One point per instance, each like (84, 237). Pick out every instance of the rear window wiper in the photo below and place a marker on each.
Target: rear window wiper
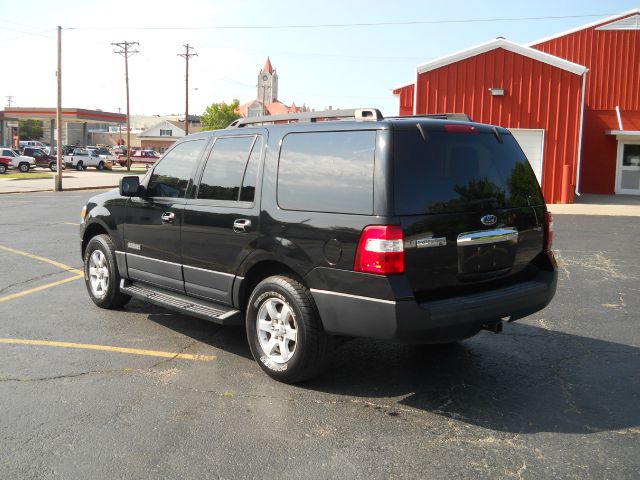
(423, 134)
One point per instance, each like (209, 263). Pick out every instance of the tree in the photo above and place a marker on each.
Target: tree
(219, 115)
(30, 129)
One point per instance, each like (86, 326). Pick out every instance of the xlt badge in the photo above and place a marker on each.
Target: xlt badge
(431, 242)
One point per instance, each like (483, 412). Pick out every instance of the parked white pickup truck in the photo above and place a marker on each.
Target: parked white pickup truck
(81, 158)
(20, 162)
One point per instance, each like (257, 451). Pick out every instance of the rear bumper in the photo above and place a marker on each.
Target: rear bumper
(408, 321)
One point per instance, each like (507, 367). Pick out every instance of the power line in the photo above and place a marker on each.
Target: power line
(187, 55)
(359, 24)
(126, 53)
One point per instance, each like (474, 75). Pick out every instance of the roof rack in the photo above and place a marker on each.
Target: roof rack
(462, 117)
(359, 114)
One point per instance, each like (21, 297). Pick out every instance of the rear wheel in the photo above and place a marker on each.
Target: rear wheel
(101, 273)
(3, 168)
(23, 167)
(79, 166)
(285, 331)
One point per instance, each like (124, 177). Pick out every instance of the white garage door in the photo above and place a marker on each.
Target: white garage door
(532, 143)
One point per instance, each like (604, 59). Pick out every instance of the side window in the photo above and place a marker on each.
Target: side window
(171, 176)
(327, 172)
(223, 174)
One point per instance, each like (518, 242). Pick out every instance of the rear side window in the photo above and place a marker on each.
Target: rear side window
(459, 172)
(327, 172)
(171, 176)
(231, 170)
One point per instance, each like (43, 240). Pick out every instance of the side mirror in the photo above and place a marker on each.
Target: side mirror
(130, 186)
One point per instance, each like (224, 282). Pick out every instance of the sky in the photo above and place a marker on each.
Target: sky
(318, 65)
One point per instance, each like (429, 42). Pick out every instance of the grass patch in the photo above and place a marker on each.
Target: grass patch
(25, 176)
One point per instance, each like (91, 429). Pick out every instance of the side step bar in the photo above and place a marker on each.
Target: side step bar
(214, 312)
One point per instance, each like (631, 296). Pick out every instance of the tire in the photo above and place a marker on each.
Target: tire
(299, 349)
(79, 166)
(100, 165)
(52, 166)
(3, 168)
(100, 262)
(23, 167)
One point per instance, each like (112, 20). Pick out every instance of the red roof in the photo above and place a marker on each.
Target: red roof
(267, 66)
(274, 108)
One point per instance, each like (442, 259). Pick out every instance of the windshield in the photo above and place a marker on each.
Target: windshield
(455, 172)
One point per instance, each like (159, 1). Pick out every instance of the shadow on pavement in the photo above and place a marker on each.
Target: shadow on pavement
(525, 380)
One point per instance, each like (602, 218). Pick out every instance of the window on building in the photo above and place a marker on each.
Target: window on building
(231, 160)
(166, 133)
(171, 175)
(327, 172)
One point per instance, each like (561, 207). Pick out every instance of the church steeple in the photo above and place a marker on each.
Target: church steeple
(267, 83)
(267, 66)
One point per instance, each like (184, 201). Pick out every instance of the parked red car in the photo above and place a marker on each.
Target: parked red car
(5, 163)
(148, 157)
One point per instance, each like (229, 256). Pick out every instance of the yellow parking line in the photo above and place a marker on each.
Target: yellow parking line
(64, 267)
(109, 348)
(71, 223)
(40, 288)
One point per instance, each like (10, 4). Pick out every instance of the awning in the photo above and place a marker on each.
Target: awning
(622, 134)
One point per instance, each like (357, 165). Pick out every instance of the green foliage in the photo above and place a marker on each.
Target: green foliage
(219, 115)
(30, 129)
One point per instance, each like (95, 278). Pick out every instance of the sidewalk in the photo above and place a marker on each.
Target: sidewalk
(591, 204)
(71, 180)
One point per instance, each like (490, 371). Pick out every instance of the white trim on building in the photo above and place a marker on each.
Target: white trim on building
(507, 45)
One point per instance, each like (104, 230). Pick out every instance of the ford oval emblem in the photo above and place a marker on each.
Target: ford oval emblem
(489, 220)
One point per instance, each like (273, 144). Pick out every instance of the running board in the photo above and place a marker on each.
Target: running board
(214, 312)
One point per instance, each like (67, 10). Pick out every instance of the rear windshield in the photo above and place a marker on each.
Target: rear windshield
(460, 172)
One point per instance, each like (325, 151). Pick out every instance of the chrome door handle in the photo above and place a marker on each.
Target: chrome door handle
(168, 217)
(241, 225)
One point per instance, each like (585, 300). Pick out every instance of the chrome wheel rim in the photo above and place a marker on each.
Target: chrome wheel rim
(98, 274)
(277, 330)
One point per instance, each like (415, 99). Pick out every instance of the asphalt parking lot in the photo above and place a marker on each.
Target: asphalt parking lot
(145, 393)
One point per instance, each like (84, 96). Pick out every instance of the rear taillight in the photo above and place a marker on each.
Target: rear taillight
(380, 250)
(455, 128)
(548, 231)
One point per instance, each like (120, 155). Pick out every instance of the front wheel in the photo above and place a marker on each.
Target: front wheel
(3, 168)
(285, 331)
(101, 273)
(100, 165)
(23, 167)
(52, 166)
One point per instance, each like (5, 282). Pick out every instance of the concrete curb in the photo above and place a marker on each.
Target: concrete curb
(72, 189)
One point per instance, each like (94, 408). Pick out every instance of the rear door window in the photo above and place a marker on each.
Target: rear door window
(327, 172)
(459, 172)
(231, 170)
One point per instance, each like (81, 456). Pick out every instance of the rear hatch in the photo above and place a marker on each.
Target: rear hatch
(470, 207)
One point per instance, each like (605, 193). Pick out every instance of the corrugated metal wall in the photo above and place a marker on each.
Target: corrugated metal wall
(613, 59)
(406, 99)
(537, 95)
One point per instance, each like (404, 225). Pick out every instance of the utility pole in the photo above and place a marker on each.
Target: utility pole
(126, 52)
(57, 178)
(9, 100)
(186, 55)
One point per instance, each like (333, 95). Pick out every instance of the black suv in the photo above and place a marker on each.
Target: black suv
(321, 226)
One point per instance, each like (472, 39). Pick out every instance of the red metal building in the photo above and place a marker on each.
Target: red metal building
(559, 98)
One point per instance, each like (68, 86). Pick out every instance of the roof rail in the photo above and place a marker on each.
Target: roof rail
(359, 114)
(462, 117)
